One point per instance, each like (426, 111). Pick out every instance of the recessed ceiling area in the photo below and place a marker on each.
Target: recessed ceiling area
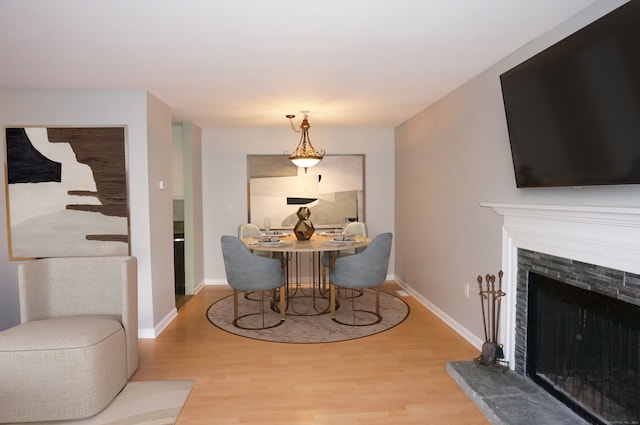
(247, 63)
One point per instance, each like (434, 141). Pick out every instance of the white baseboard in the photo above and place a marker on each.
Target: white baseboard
(199, 287)
(461, 330)
(157, 330)
(146, 334)
(216, 282)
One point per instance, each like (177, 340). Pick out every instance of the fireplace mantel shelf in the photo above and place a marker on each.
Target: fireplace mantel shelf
(607, 236)
(614, 216)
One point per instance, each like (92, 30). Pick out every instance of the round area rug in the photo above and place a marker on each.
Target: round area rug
(307, 319)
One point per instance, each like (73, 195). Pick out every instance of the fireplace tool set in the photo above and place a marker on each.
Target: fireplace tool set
(491, 299)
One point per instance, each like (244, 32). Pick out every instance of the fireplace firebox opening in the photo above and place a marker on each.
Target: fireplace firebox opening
(584, 348)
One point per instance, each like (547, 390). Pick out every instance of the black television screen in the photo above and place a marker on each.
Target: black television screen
(573, 110)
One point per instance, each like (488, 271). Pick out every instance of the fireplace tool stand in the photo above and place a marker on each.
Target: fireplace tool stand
(491, 300)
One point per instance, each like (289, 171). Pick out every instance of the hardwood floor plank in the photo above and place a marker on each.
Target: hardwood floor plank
(395, 377)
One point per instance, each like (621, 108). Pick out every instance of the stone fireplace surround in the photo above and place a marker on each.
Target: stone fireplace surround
(606, 237)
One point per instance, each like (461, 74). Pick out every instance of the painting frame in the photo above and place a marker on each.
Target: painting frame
(66, 191)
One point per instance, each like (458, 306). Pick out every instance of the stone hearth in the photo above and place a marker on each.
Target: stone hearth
(506, 398)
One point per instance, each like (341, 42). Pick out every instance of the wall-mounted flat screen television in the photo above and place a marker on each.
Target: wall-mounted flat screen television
(573, 110)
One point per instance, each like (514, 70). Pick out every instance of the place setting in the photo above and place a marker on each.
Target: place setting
(341, 239)
(271, 240)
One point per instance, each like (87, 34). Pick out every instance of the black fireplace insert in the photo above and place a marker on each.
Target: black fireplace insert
(584, 348)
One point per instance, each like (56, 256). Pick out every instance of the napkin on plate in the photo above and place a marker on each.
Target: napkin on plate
(344, 238)
(269, 239)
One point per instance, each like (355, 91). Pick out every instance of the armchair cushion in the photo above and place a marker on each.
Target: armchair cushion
(59, 333)
(61, 368)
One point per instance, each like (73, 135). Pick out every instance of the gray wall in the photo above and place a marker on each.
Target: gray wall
(451, 157)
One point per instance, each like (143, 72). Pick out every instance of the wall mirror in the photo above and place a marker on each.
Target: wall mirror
(333, 190)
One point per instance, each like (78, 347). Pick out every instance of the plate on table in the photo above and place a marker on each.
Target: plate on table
(345, 238)
(338, 243)
(266, 240)
(332, 233)
(341, 241)
(273, 233)
(269, 243)
(269, 239)
(274, 244)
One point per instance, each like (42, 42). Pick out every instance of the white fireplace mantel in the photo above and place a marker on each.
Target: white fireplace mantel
(605, 236)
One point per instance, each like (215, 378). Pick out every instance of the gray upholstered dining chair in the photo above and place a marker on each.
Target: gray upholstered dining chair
(367, 269)
(250, 230)
(247, 272)
(357, 228)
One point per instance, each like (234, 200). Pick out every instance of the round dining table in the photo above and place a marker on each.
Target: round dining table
(288, 247)
(319, 242)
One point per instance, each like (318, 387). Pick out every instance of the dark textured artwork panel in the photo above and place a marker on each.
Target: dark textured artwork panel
(25, 164)
(107, 165)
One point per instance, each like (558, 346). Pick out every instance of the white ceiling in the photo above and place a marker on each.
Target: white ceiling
(247, 63)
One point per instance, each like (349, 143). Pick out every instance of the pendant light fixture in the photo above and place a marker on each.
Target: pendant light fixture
(305, 155)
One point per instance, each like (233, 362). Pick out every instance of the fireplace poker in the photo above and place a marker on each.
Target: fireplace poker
(484, 316)
(492, 318)
(499, 296)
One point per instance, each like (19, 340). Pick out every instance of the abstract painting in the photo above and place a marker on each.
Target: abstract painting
(66, 191)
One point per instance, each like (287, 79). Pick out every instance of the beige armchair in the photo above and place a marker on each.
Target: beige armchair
(77, 344)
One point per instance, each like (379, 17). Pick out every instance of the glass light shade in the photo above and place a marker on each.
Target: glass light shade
(305, 162)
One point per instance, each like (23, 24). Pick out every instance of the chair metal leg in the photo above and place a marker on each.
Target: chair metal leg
(262, 307)
(235, 305)
(376, 313)
(324, 277)
(238, 317)
(283, 302)
(332, 296)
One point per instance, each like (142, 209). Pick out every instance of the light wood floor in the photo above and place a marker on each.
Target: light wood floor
(397, 377)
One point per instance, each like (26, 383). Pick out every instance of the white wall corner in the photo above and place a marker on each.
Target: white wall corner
(157, 330)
